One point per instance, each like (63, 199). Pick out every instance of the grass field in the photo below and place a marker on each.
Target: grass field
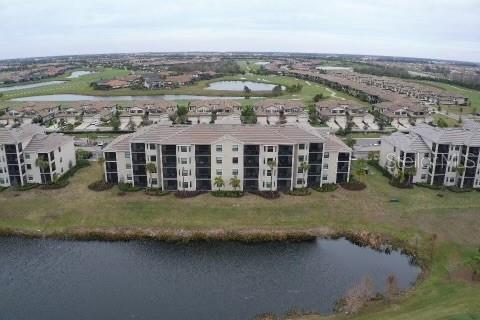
(451, 122)
(81, 85)
(454, 218)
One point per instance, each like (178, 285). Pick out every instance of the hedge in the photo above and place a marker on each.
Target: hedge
(100, 186)
(354, 186)
(328, 187)
(227, 194)
(299, 192)
(128, 187)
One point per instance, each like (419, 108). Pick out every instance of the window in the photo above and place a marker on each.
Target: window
(324, 178)
(268, 184)
(269, 148)
(127, 155)
(299, 181)
(61, 160)
(30, 178)
(325, 166)
(235, 160)
(185, 185)
(59, 149)
(219, 172)
(219, 148)
(183, 149)
(154, 181)
(152, 146)
(219, 160)
(269, 160)
(184, 172)
(2, 181)
(153, 158)
(300, 170)
(424, 176)
(235, 172)
(301, 158)
(27, 155)
(53, 166)
(129, 177)
(301, 146)
(326, 155)
(269, 173)
(128, 166)
(235, 148)
(183, 160)
(29, 166)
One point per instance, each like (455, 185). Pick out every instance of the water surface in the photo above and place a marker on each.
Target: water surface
(53, 279)
(31, 85)
(79, 97)
(79, 73)
(240, 85)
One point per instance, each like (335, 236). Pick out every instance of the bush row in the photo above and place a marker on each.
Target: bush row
(299, 192)
(128, 187)
(328, 187)
(26, 187)
(267, 194)
(100, 185)
(227, 194)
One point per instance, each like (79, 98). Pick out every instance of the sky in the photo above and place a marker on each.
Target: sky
(444, 29)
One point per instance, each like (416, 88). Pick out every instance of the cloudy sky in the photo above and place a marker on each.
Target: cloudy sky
(448, 29)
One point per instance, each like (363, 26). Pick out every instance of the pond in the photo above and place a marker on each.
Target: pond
(31, 85)
(77, 74)
(79, 97)
(240, 85)
(55, 279)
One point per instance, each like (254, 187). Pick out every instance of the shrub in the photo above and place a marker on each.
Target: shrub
(299, 192)
(267, 194)
(459, 190)
(328, 187)
(128, 187)
(83, 154)
(155, 192)
(26, 187)
(187, 194)
(429, 186)
(100, 186)
(56, 185)
(3, 188)
(227, 194)
(353, 186)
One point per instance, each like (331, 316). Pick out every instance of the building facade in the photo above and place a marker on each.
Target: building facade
(448, 157)
(261, 157)
(21, 147)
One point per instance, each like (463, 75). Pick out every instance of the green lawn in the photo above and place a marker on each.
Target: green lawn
(451, 122)
(81, 85)
(454, 218)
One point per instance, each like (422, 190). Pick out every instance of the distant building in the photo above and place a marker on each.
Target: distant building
(190, 157)
(437, 154)
(21, 147)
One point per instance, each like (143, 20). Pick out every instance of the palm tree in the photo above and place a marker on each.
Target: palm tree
(218, 182)
(460, 171)
(42, 164)
(305, 167)
(101, 162)
(151, 168)
(360, 171)
(271, 164)
(235, 182)
(410, 172)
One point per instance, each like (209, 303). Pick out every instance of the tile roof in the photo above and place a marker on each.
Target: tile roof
(47, 143)
(19, 134)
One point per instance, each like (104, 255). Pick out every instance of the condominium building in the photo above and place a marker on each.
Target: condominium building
(447, 157)
(21, 147)
(261, 157)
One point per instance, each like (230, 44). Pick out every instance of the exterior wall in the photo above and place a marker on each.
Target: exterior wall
(188, 167)
(4, 180)
(227, 166)
(300, 178)
(264, 179)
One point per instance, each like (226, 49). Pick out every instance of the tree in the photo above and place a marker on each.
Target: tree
(317, 97)
(271, 164)
(151, 169)
(350, 142)
(410, 172)
(248, 115)
(358, 296)
(305, 167)
(115, 123)
(218, 182)
(312, 114)
(373, 155)
(392, 286)
(235, 182)
(277, 90)
(247, 91)
(42, 164)
(101, 162)
(181, 115)
(442, 123)
(360, 170)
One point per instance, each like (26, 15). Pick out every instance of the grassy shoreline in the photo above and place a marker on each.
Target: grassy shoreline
(420, 214)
